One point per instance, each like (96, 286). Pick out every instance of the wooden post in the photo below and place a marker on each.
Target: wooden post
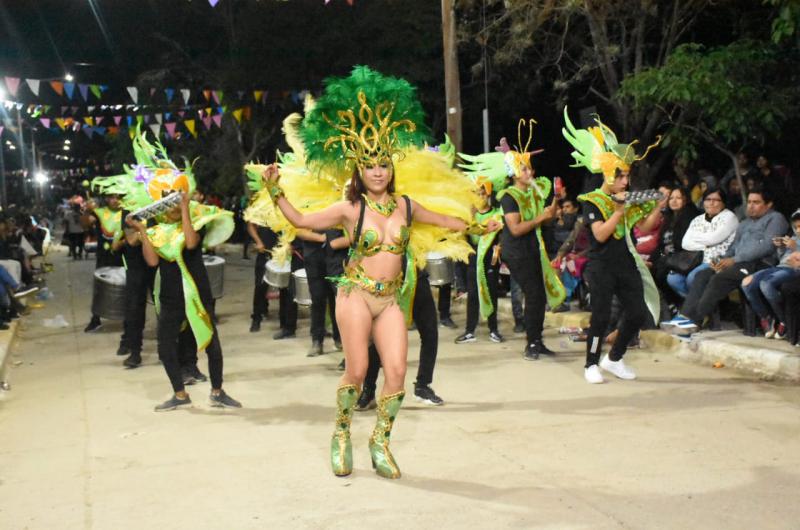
(452, 86)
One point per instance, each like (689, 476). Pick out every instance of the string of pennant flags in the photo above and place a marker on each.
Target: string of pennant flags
(192, 114)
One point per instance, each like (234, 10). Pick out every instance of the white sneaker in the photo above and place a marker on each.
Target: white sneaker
(593, 375)
(617, 368)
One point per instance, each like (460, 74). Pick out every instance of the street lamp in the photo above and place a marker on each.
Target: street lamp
(68, 78)
(40, 177)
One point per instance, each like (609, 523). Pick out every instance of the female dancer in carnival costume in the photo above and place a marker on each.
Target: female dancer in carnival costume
(524, 213)
(365, 127)
(174, 244)
(615, 268)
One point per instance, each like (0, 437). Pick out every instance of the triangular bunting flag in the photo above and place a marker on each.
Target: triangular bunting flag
(90, 109)
(47, 108)
(61, 122)
(117, 119)
(33, 84)
(64, 110)
(170, 92)
(103, 88)
(158, 117)
(247, 113)
(131, 132)
(130, 121)
(207, 94)
(89, 121)
(98, 119)
(167, 116)
(45, 122)
(240, 93)
(113, 130)
(208, 111)
(257, 94)
(217, 96)
(1, 130)
(181, 113)
(100, 130)
(146, 118)
(134, 92)
(84, 90)
(69, 88)
(152, 91)
(190, 125)
(156, 128)
(264, 97)
(186, 93)
(88, 131)
(217, 119)
(96, 90)
(207, 122)
(170, 129)
(58, 87)
(12, 83)
(237, 114)
(73, 110)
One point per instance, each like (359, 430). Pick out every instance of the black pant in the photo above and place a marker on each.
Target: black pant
(445, 291)
(710, 288)
(791, 299)
(260, 301)
(138, 279)
(76, 244)
(177, 346)
(425, 319)
(287, 312)
(606, 279)
(323, 295)
(473, 304)
(527, 272)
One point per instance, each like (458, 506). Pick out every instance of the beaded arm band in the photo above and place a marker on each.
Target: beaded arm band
(274, 189)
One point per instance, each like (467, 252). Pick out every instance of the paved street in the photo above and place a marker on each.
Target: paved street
(517, 445)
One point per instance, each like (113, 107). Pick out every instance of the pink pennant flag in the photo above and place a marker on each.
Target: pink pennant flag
(13, 84)
(170, 129)
(117, 119)
(181, 113)
(217, 119)
(207, 122)
(215, 94)
(1, 130)
(152, 91)
(46, 122)
(98, 120)
(33, 84)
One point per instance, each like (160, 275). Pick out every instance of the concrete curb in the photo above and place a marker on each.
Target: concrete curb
(6, 339)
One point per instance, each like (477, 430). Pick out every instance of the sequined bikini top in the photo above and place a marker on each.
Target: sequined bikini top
(368, 244)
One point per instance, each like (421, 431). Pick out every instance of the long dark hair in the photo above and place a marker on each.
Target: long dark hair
(356, 188)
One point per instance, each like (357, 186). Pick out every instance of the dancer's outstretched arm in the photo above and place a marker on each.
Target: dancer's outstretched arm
(423, 215)
(329, 217)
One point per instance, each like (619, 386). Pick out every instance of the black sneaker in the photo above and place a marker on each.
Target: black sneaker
(133, 360)
(94, 325)
(223, 400)
(316, 349)
(199, 376)
(447, 322)
(173, 403)
(494, 336)
(366, 400)
(519, 328)
(465, 338)
(283, 334)
(255, 326)
(340, 367)
(188, 378)
(425, 394)
(123, 350)
(535, 349)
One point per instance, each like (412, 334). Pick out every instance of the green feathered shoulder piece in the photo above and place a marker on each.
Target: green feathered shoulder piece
(489, 165)
(342, 95)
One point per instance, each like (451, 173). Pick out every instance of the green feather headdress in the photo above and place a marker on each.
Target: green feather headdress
(364, 116)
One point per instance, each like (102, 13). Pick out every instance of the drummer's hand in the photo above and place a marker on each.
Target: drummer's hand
(271, 173)
(134, 223)
(493, 225)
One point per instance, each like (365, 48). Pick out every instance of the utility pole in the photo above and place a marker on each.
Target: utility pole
(452, 84)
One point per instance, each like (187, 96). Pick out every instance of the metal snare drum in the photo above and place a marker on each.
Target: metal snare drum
(441, 270)
(278, 274)
(215, 266)
(302, 294)
(108, 294)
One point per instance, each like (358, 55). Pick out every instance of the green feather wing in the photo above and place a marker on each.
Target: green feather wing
(585, 144)
(491, 165)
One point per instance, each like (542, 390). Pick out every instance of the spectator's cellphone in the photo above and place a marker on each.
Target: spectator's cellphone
(558, 186)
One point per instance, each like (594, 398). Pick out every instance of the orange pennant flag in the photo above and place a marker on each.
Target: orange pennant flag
(58, 87)
(190, 125)
(207, 94)
(247, 113)
(238, 115)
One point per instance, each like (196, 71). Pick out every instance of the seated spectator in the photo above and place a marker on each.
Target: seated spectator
(676, 218)
(710, 233)
(762, 289)
(752, 250)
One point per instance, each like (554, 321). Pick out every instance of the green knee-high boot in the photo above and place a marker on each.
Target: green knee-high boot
(382, 459)
(341, 448)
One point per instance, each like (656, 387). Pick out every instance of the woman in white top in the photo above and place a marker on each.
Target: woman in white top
(711, 232)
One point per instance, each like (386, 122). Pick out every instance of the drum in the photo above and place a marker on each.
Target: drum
(302, 294)
(278, 274)
(215, 266)
(441, 270)
(108, 295)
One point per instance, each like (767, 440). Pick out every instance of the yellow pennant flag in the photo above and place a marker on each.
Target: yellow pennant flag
(61, 123)
(257, 94)
(190, 125)
(131, 132)
(89, 121)
(238, 115)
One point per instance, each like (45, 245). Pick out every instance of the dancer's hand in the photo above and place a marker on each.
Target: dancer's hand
(271, 174)
(492, 225)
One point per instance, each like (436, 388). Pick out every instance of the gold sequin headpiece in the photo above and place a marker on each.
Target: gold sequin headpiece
(376, 141)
